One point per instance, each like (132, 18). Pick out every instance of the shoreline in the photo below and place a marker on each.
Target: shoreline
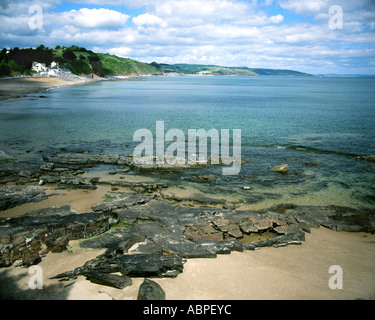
(13, 88)
(288, 273)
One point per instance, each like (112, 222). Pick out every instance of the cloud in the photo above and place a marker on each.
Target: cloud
(89, 18)
(148, 19)
(226, 32)
(304, 7)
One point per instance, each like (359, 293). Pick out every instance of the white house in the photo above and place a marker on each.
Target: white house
(52, 71)
(38, 67)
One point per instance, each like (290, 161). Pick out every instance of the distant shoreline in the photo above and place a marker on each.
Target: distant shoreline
(17, 87)
(12, 88)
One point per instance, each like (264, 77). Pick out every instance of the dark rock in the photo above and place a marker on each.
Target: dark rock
(227, 226)
(367, 158)
(150, 290)
(18, 172)
(87, 159)
(197, 199)
(149, 247)
(172, 240)
(49, 166)
(131, 265)
(311, 164)
(78, 183)
(149, 265)
(109, 240)
(12, 196)
(283, 168)
(122, 200)
(24, 173)
(333, 217)
(107, 279)
(201, 179)
(29, 236)
(50, 179)
(115, 159)
(203, 230)
(138, 187)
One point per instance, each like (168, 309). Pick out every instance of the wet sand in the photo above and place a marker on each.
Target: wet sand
(293, 272)
(80, 200)
(19, 87)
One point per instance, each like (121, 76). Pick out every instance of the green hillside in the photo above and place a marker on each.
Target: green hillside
(219, 70)
(114, 65)
(81, 61)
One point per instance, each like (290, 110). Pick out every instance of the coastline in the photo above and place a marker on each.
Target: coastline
(291, 272)
(287, 273)
(12, 88)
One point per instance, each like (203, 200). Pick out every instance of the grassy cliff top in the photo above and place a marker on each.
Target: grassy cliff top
(82, 61)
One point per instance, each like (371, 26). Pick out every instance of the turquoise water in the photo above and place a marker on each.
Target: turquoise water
(316, 125)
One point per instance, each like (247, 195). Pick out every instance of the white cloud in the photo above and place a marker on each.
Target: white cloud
(185, 11)
(226, 32)
(149, 20)
(90, 18)
(305, 6)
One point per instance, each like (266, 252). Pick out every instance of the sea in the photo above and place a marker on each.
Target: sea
(319, 126)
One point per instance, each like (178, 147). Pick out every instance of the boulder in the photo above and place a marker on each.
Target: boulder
(150, 290)
(283, 168)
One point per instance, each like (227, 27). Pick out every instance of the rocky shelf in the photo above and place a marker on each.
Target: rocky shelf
(148, 237)
(145, 233)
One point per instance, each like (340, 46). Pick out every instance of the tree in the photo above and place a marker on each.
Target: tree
(155, 65)
(41, 47)
(69, 55)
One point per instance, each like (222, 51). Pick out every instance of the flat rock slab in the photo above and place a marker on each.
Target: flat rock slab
(27, 237)
(17, 171)
(108, 279)
(87, 159)
(12, 196)
(333, 217)
(83, 159)
(130, 265)
(122, 201)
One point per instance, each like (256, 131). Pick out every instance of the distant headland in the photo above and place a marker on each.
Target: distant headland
(83, 62)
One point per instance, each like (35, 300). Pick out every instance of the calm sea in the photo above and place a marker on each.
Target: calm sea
(316, 125)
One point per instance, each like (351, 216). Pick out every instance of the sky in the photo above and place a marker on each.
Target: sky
(313, 36)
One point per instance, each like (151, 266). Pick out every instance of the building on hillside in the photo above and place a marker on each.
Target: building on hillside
(53, 71)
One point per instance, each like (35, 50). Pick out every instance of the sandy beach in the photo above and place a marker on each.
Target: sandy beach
(292, 273)
(19, 87)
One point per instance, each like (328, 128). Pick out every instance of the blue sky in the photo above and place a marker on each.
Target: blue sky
(285, 34)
